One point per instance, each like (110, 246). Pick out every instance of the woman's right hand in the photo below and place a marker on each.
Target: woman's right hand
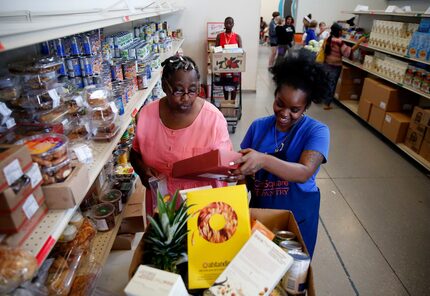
(145, 172)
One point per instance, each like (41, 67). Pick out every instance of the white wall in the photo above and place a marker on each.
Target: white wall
(416, 5)
(197, 13)
(267, 8)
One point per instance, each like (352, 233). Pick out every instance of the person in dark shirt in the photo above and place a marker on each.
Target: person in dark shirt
(290, 29)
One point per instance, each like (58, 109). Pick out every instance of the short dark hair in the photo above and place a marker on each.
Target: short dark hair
(175, 63)
(300, 71)
(275, 14)
(228, 18)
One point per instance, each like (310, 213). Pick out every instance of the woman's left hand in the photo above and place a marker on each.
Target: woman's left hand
(251, 162)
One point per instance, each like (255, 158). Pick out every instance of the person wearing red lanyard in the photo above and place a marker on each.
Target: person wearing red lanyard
(228, 37)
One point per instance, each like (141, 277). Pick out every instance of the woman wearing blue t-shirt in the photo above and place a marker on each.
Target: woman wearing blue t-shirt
(283, 152)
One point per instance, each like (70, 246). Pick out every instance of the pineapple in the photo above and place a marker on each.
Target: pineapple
(166, 239)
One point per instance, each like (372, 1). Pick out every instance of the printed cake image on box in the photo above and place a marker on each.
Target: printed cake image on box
(218, 228)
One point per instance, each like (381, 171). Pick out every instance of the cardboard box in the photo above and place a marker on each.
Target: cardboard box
(364, 107)
(376, 118)
(347, 91)
(425, 150)
(9, 200)
(228, 62)
(211, 165)
(14, 160)
(395, 126)
(419, 128)
(14, 221)
(421, 116)
(413, 140)
(123, 241)
(155, 282)
(272, 219)
(134, 212)
(427, 135)
(352, 75)
(383, 96)
(69, 193)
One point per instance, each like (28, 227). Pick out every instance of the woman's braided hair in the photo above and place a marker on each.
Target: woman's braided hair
(175, 63)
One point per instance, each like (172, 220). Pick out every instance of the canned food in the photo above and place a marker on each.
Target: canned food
(74, 46)
(59, 46)
(294, 281)
(129, 70)
(132, 53)
(62, 71)
(87, 45)
(97, 79)
(284, 235)
(73, 65)
(142, 81)
(289, 245)
(88, 80)
(45, 48)
(86, 64)
(116, 72)
(122, 156)
(79, 82)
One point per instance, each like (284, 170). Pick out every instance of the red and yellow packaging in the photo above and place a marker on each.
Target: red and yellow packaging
(218, 228)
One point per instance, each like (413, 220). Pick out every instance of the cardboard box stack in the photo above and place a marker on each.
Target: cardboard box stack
(22, 202)
(418, 136)
(350, 84)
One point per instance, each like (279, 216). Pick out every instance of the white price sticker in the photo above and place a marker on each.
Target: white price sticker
(34, 175)
(12, 172)
(84, 154)
(113, 107)
(10, 123)
(382, 105)
(30, 206)
(87, 127)
(102, 225)
(4, 110)
(388, 118)
(79, 101)
(55, 98)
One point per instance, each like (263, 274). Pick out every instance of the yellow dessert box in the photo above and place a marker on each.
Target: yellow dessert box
(218, 228)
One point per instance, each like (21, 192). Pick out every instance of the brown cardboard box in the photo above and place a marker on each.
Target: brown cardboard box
(347, 91)
(228, 62)
(17, 239)
(364, 108)
(413, 140)
(352, 75)
(14, 221)
(425, 150)
(376, 118)
(134, 213)
(67, 194)
(421, 116)
(14, 160)
(383, 96)
(419, 128)
(427, 135)
(211, 165)
(272, 219)
(9, 200)
(123, 241)
(395, 126)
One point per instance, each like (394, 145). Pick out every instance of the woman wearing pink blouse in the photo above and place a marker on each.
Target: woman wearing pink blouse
(178, 126)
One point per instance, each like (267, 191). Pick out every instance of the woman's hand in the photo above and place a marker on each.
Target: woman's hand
(145, 172)
(251, 162)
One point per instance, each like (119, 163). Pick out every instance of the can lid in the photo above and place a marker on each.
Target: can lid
(285, 235)
(103, 210)
(299, 255)
(290, 245)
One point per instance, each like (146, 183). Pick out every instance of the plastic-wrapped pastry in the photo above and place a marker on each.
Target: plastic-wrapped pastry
(69, 234)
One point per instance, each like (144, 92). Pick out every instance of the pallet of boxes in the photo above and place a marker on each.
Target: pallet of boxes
(213, 244)
(350, 84)
(418, 135)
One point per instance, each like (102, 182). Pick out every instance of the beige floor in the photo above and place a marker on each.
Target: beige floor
(374, 232)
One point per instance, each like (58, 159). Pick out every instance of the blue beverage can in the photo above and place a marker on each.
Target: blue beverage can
(119, 104)
(79, 82)
(148, 72)
(87, 80)
(86, 65)
(62, 70)
(74, 66)
(74, 46)
(59, 46)
(45, 48)
(87, 45)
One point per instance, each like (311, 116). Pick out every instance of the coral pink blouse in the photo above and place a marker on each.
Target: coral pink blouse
(161, 146)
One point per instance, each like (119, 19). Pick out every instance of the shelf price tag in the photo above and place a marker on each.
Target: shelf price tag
(30, 206)
(34, 175)
(126, 18)
(55, 98)
(134, 113)
(2, 48)
(13, 172)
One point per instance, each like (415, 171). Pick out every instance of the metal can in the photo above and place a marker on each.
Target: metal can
(59, 46)
(289, 245)
(79, 82)
(87, 80)
(142, 81)
(97, 79)
(284, 235)
(87, 45)
(75, 50)
(136, 32)
(148, 72)
(294, 281)
(62, 71)
(45, 48)
(116, 72)
(73, 65)
(71, 74)
(132, 53)
(86, 64)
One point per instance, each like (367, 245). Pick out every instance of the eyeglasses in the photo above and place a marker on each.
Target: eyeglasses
(180, 93)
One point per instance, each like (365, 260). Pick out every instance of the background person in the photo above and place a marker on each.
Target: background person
(176, 127)
(272, 39)
(323, 31)
(311, 32)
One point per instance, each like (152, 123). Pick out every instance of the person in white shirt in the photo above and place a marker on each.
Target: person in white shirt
(324, 32)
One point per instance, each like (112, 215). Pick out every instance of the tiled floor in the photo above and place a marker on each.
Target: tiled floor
(374, 232)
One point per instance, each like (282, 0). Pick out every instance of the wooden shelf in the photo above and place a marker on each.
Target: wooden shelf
(45, 235)
(418, 14)
(360, 66)
(374, 48)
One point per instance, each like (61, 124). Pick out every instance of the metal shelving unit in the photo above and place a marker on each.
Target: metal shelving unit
(45, 235)
(382, 12)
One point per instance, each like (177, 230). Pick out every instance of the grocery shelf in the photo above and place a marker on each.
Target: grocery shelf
(42, 28)
(360, 66)
(365, 45)
(418, 158)
(382, 12)
(352, 105)
(42, 239)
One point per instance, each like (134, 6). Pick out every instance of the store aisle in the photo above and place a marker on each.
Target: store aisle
(374, 232)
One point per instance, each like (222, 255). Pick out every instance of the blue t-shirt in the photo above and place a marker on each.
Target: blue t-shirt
(272, 32)
(310, 35)
(311, 135)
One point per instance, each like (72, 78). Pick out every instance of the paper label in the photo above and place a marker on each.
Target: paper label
(79, 101)
(55, 98)
(12, 171)
(84, 154)
(65, 122)
(388, 118)
(120, 206)
(113, 107)
(102, 225)
(4, 110)
(382, 105)
(34, 175)
(10, 122)
(30, 206)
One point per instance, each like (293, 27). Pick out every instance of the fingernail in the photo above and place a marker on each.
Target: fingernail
(231, 163)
